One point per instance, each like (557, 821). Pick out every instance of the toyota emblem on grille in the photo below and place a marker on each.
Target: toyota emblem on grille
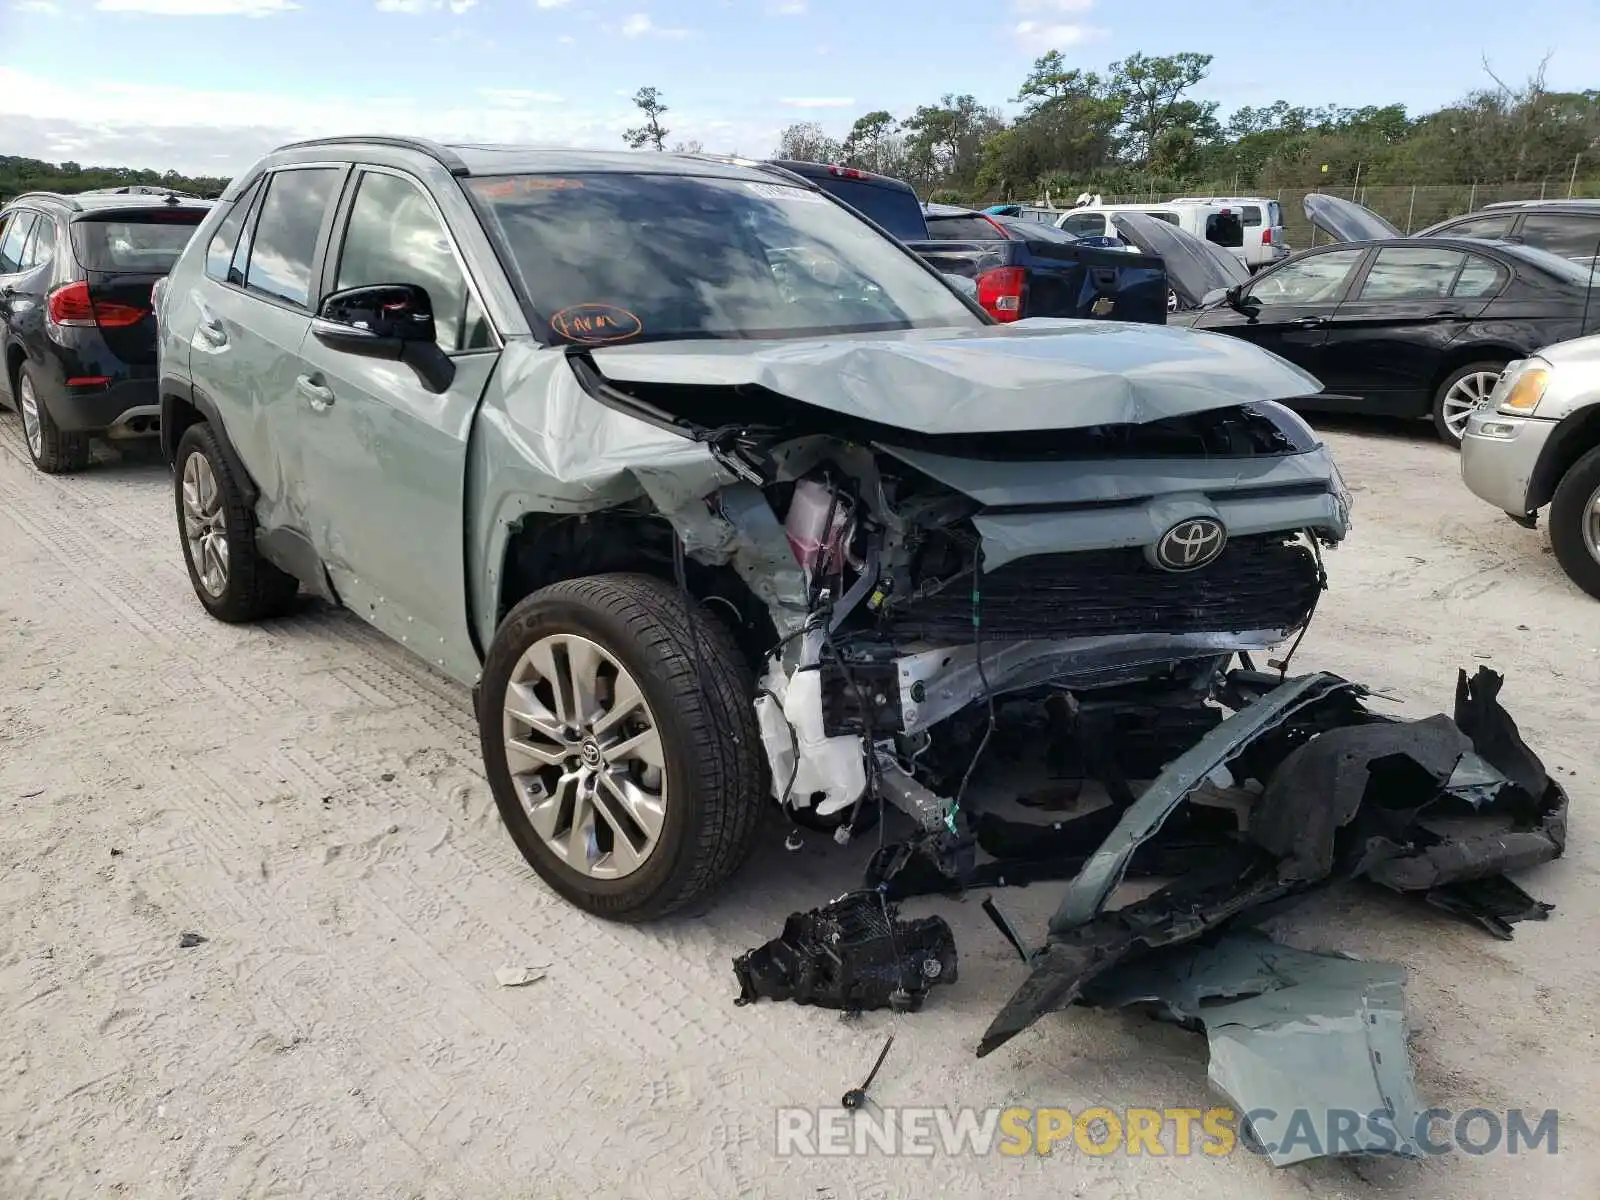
(1190, 544)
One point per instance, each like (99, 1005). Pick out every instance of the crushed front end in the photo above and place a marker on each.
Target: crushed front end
(937, 582)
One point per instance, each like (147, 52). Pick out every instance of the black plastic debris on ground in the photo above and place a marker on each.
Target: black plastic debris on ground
(852, 954)
(189, 941)
(1436, 808)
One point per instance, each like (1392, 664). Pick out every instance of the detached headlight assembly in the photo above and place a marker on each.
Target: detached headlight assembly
(1525, 392)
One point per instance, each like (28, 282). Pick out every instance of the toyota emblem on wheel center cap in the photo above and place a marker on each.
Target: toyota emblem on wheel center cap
(1190, 544)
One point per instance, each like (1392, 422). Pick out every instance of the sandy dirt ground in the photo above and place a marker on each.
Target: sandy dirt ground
(308, 798)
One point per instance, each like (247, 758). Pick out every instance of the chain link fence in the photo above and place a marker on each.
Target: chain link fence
(1409, 207)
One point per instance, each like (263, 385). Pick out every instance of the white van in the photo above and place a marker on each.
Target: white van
(1250, 229)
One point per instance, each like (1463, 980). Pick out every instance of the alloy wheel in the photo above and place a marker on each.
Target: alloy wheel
(584, 752)
(1463, 399)
(204, 525)
(32, 430)
(1591, 525)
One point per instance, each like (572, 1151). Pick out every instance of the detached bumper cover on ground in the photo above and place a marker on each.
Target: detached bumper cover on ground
(1323, 789)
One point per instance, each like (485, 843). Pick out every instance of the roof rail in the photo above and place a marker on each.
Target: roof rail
(58, 197)
(138, 189)
(443, 155)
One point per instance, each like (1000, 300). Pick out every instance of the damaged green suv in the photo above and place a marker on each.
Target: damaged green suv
(715, 493)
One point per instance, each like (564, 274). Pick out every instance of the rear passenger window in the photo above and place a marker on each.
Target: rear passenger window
(1485, 229)
(1225, 229)
(219, 252)
(41, 245)
(1411, 273)
(286, 234)
(1571, 235)
(12, 245)
(394, 236)
(1479, 279)
(1252, 214)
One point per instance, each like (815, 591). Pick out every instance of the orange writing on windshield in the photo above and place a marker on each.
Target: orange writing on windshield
(596, 323)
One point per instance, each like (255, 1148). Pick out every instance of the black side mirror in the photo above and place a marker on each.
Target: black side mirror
(1248, 305)
(386, 320)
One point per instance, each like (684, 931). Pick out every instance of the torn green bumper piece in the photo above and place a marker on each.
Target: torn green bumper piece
(1310, 1048)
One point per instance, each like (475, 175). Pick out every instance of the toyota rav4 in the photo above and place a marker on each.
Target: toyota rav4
(707, 487)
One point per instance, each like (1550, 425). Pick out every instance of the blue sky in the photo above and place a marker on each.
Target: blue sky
(210, 84)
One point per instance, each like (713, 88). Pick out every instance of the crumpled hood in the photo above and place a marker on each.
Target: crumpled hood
(1037, 374)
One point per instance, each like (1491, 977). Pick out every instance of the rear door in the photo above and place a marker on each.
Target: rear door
(382, 452)
(15, 233)
(1387, 343)
(1287, 309)
(245, 354)
(122, 255)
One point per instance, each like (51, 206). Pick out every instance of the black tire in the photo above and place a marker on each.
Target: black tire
(710, 740)
(1440, 425)
(58, 453)
(254, 588)
(1569, 511)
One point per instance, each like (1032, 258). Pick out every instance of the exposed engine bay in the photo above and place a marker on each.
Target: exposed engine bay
(915, 600)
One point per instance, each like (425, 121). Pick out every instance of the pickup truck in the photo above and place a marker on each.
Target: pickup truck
(1020, 267)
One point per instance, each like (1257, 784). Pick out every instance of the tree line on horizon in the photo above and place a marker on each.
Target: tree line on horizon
(1139, 127)
(18, 175)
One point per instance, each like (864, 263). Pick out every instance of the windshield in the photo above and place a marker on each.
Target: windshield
(610, 257)
(148, 243)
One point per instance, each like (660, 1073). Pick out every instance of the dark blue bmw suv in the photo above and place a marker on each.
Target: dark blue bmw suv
(77, 329)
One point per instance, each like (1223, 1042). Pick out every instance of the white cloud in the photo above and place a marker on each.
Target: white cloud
(788, 8)
(1039, 35)
(199, 8)
(518, 97)
(551, 3)
(167, 127)
(566, 39)
(1043, 30)
(640, 25)
(818, 102)
(43, 7)
(413, 8)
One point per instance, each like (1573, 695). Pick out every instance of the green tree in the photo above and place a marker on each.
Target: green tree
(652, 133)
(808, 142)
(945, 141)
(1152, 91)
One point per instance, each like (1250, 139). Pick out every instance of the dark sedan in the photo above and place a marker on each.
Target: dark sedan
(1408, 327)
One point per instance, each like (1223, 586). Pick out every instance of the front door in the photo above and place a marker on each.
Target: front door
(385, 456)
(1387, 342)
(1287, 310)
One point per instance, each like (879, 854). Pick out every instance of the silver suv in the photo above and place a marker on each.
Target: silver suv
(708, 488)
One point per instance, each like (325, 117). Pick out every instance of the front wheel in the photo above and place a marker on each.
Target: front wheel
(620, 742)
(1459, 396)
(1575, 523)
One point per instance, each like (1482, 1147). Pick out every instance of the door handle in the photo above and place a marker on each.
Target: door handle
(319, 395)
(1310, 322)
(212, 330)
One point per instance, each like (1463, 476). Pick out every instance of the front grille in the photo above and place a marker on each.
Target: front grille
(1267, 582)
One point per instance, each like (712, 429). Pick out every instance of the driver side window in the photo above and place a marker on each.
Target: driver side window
(394, 236)
(1316, 279)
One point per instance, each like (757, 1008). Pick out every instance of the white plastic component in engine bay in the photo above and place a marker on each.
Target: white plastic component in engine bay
(832, 770)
